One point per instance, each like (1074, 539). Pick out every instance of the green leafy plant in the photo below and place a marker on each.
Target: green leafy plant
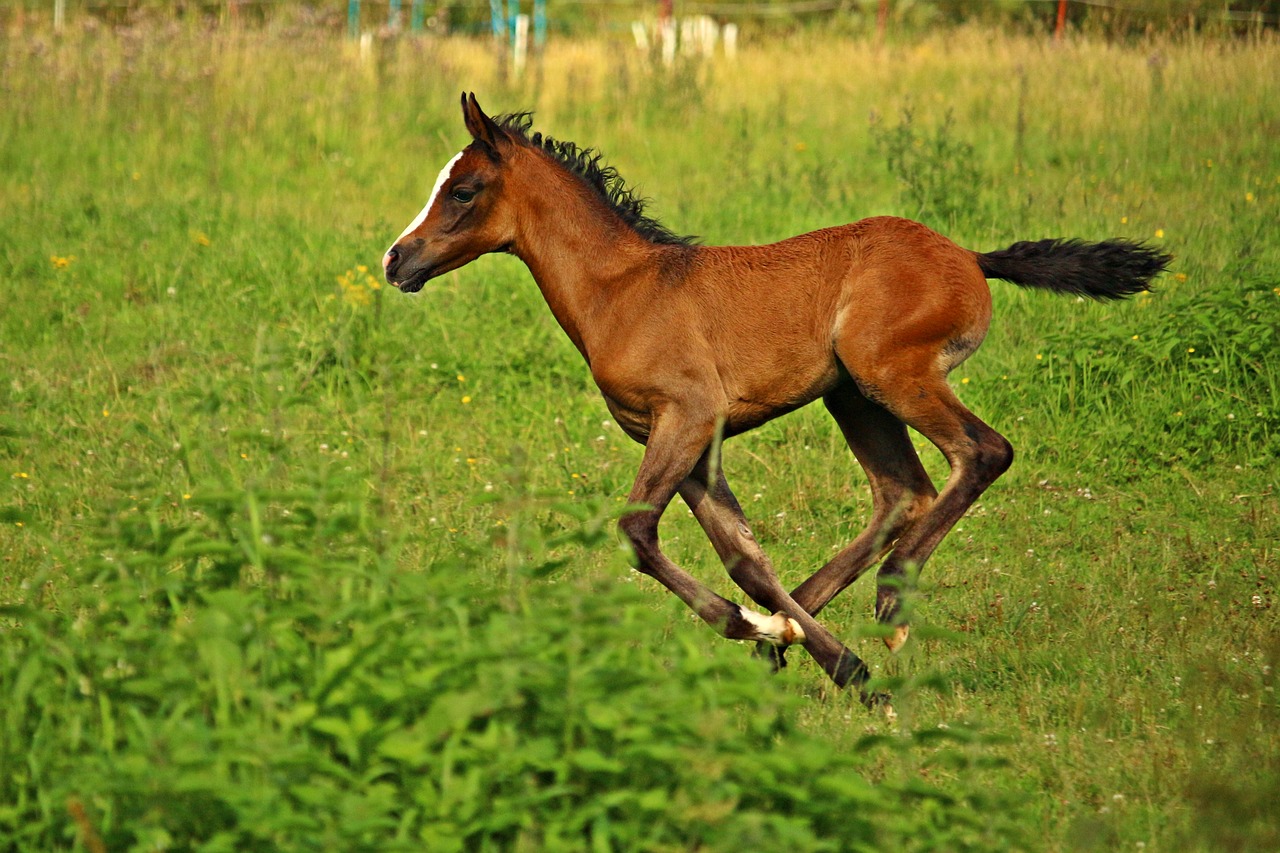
(936, 171)
(1209, 349)
(256, 672)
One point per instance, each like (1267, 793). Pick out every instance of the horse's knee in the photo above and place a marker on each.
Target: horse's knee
(641, 530)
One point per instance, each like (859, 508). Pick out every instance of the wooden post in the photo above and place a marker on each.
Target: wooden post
(520, 46)
(882, 20)
(1061, 25)
(667, 31)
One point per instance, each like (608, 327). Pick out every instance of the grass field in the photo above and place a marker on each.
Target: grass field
(294, 562)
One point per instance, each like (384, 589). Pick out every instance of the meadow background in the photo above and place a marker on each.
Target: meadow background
(291, 561)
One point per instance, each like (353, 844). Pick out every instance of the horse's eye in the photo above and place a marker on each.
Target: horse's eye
(463, 196)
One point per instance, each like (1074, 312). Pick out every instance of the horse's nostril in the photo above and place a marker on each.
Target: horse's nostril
(390, 258)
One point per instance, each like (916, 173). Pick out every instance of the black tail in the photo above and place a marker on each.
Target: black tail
(1112, 269)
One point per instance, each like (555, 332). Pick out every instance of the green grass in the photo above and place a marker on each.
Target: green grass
(290, 561)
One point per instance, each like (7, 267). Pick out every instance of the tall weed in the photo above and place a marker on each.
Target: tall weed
(936, 171)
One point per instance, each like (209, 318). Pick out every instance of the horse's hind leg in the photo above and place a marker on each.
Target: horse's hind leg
(914, 389)
(901, 492)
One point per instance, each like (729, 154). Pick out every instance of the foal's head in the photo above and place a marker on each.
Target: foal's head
(505, 175)
(466, 215)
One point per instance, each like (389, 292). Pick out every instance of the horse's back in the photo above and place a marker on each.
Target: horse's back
(877, 270)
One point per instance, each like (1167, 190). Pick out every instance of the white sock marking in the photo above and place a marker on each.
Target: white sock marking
(435, 191)
(778, 629)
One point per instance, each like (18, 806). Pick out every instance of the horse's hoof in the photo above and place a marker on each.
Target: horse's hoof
(881, 702)
(898, 638)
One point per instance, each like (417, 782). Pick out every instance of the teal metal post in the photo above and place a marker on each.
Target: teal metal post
(353, 18)
(497, 19)
(539, 22)
(513, 11)
(416, 15)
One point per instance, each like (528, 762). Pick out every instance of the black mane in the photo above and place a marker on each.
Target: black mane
(605, 180)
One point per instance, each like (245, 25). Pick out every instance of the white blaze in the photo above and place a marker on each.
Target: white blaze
(435, 191)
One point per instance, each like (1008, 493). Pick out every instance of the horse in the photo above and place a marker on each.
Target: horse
(692, 344)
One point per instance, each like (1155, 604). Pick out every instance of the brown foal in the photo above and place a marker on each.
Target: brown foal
(692, 343)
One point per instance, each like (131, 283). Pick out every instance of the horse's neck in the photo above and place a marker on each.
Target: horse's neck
(580, 255)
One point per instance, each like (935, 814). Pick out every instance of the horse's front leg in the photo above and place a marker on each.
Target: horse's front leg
(707, 493)
(674, 447)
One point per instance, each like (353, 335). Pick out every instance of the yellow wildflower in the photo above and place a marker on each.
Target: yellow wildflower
(358, 292)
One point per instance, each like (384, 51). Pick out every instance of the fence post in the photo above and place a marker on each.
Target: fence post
(497, 19)
(520, 47)
(353, 18)
(1061, 23)
(539, 23)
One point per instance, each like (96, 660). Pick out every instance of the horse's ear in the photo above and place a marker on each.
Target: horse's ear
(483, 129)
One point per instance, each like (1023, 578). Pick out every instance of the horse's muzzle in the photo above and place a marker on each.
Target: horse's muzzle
(393, 267)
